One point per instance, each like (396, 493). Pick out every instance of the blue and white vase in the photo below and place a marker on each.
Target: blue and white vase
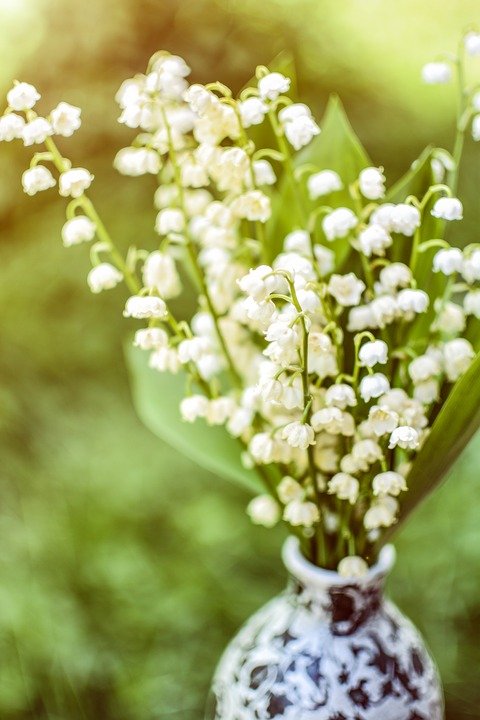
(328, 648)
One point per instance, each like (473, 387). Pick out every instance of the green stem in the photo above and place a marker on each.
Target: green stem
(192, 253)
(366, 266)
(414, 251)
(289, 170)
(416, 246)
(216, 318)
(130, 279)
(457, 156)
(307, 413)
(89, 209)
(367, 271)
(249, 148)
(462, 101)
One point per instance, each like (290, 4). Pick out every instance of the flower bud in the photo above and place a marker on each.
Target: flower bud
(436, 73)
(298, 435)
(103, 277)
(22, 96)
(170, 220)
(36, 179)
(77, 230)
(472, 43)
(339, 223)
(145, 306)
(371, 182)
(448, 208)
(448, 261)
(388, 483)
(264, 510)
(252, 111)
(272, 85)
(323, 183)
(373, 353)
(344, 486)
(299, 513)
(150, 338)
(36, 131)
(74, 182)
(352, 566)
(65, 119)
(372, 386)
(11, 127)
(137, 161)
(404, 437)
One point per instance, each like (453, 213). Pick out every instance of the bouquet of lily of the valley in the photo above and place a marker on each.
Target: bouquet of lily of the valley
(330, 360)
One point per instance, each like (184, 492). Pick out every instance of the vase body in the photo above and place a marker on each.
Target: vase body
(327, 648)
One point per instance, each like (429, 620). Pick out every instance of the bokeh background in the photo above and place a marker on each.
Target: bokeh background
(124, 568)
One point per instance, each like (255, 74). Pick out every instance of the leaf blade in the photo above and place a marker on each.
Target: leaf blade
(415, 181)
(454, 426)
(336, 148)
(156, 398)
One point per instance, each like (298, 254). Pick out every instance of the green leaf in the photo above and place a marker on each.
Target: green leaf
(472, 332)
(336, 148)
(417, 181)
(157, 396)
(454, 426)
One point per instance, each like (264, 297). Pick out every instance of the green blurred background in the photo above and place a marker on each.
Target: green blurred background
(124, 569)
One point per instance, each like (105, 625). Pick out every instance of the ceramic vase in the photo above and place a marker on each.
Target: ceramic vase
(328, 648)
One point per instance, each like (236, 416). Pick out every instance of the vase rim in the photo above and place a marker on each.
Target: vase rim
(310, 574)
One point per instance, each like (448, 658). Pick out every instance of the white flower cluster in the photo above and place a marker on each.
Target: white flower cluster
(328, 373)
(20, 121)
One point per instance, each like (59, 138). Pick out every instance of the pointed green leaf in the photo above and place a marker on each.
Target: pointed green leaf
(472, 332)
(336, 148)
(157, 396)
(416, 181)
(452, 429)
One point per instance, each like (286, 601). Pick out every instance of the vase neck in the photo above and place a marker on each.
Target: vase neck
(345, 603)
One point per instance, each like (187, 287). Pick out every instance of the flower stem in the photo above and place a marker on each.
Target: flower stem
(287, 161)
(460, 124)
(249, 148)
(192, 254)
(307, 413)
(130, 279)
(87, 205)
(216, 318)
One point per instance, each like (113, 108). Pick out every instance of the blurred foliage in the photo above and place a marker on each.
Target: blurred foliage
(124, 569)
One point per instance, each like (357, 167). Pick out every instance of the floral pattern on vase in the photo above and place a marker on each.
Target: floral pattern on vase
(328, 648)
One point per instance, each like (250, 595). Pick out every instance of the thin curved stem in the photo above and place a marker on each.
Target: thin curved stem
(289, 169)
(307, 413)
(192, 253)
(88, 207)
(462, 101)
